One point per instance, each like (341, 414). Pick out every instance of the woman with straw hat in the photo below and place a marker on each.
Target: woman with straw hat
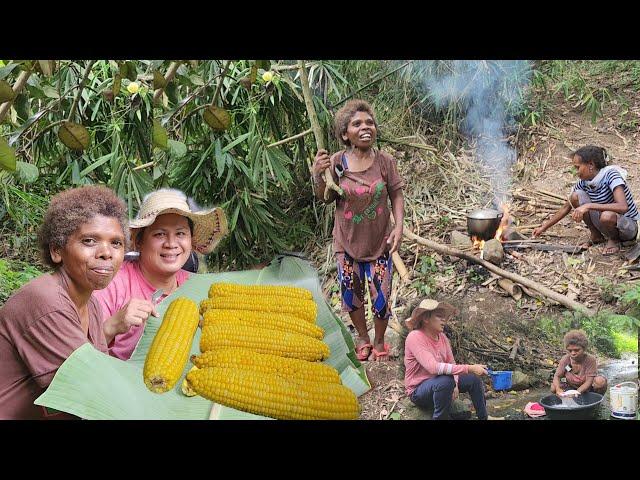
(432, 377)
(164, 233)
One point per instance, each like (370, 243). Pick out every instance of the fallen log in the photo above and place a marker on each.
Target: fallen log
(547, 292)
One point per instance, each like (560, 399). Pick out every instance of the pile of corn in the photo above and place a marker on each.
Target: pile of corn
(262, 352)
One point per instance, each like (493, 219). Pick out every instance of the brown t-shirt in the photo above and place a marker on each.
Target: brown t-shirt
(579, 371)
(39, 328)
(361, 226)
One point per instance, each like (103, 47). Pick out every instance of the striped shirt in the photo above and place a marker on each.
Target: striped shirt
(603, 192)
(425, 358)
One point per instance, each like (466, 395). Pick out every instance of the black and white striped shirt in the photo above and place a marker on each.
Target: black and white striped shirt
(603, 192)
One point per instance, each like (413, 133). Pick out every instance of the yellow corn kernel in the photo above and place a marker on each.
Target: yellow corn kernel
(272, 320)
(305, 309)
(170, 348)
(274, 396)
(186, 389)
(222, 289)
(290, 368)
(262, 340)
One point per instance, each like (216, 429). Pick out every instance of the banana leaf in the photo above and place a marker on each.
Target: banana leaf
(95, 386)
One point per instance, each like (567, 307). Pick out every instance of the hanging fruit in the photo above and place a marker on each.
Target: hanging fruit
(74, 136)
(217, 118)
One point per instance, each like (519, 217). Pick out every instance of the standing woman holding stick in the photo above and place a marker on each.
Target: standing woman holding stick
(363, 237)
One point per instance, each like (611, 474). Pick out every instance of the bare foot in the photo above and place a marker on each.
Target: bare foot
(612, 246)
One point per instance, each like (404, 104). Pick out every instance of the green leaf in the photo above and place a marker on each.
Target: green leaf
(132, 73)
(74, 136)
(238, 140)
(159, 135)
(21, 104)
(6, 70)
(26, 172)
(263, 64)
(100, 161)
(220, 159)
(395, 416)
(6, 92)
(7, 156)
(158, 80)
(50, 92)
(177, 149)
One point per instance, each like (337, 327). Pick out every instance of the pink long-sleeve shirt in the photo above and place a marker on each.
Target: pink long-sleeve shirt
(425, 358)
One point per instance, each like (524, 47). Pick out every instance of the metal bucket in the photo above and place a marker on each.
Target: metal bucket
(624, 400)
(483, 223)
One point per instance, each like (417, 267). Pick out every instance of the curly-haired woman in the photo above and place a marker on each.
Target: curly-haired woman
(578, 370)
(363, 237)
(82, 239)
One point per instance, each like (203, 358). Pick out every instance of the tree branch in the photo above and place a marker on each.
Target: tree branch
(17, 87)
(290, 139)
(219, 87)
(171, 72)
(76, 100)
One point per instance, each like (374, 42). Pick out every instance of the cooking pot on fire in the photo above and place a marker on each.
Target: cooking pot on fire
(483, 223)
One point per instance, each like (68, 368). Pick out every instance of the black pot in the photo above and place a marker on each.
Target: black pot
(483, 223)
(587, 409)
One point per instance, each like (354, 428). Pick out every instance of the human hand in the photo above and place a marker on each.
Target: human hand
(538, 231)
(135, 312)
(569, 393)
(321, 162)
(478, 369)
(456, 393)
(578, 213)
(395, 238)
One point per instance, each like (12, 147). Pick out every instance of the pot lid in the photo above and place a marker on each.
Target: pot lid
(485, 213)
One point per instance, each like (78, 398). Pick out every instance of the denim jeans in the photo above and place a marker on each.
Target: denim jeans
(436, 393)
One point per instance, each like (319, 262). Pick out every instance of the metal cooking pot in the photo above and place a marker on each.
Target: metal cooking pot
(483, 223)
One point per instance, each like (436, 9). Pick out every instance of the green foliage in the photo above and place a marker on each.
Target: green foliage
(426, 283)
(13, 275)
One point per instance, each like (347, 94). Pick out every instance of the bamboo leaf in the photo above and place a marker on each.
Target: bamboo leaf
(159, 135)
(99, 162)
(177, 149)
(26, 172)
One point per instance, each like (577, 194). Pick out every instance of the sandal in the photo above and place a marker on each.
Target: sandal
(360, 355)
(611, 249)
(376, 354)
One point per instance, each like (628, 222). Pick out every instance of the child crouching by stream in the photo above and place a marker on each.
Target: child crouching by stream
(578, 370)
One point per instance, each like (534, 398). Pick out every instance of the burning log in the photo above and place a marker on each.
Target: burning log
(547, 292)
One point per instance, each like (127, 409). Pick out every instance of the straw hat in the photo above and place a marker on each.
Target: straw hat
(430, 305)
(209, 226)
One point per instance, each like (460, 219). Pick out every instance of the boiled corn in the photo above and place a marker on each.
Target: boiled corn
(305, 309)
(273, 396)
(290, 368)
(272, 320)
(262, 340)
(170, 348)
(222, 289)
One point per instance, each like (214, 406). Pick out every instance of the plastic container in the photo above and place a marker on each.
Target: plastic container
(501, 379)
(624, 400)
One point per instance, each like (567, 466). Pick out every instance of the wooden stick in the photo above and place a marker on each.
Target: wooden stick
(20, 82)
(171, 72)
(547, 292)
(317, 130)
(290, 139)
(514, 350)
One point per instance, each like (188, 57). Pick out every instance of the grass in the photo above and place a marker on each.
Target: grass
(625, 342)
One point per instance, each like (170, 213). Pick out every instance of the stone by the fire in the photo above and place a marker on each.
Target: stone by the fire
(493, 251)
(460, 239)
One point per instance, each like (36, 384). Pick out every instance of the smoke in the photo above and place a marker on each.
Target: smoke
(488, 93)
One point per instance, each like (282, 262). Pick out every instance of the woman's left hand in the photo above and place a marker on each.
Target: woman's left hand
(579, 212)
(395, 237)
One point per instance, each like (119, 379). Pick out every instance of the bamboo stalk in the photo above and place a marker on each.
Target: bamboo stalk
(317, 130)
(76, 99)
(547, 292)
(290, 139)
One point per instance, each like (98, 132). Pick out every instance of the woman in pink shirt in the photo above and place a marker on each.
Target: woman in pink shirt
(164, 233)
(432, 377)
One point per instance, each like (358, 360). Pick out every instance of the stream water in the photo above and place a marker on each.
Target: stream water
(511, 406)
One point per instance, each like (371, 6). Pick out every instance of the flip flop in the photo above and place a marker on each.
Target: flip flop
(376, 354)
(617, 250)
(359, 353)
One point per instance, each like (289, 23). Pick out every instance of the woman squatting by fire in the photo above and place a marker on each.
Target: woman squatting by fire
(602, 199)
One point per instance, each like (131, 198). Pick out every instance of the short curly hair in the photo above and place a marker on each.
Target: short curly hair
(344, 115)
(71, 208)
(577, 338)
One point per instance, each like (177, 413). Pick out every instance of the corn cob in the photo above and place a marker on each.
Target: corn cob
(262, 340)
(305, 309)
(222, 289)
(271, 320)
(273, 396)
(170, 348)
(290, 368)
(186, 389)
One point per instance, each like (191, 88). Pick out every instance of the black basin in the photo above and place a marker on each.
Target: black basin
(587, 409)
